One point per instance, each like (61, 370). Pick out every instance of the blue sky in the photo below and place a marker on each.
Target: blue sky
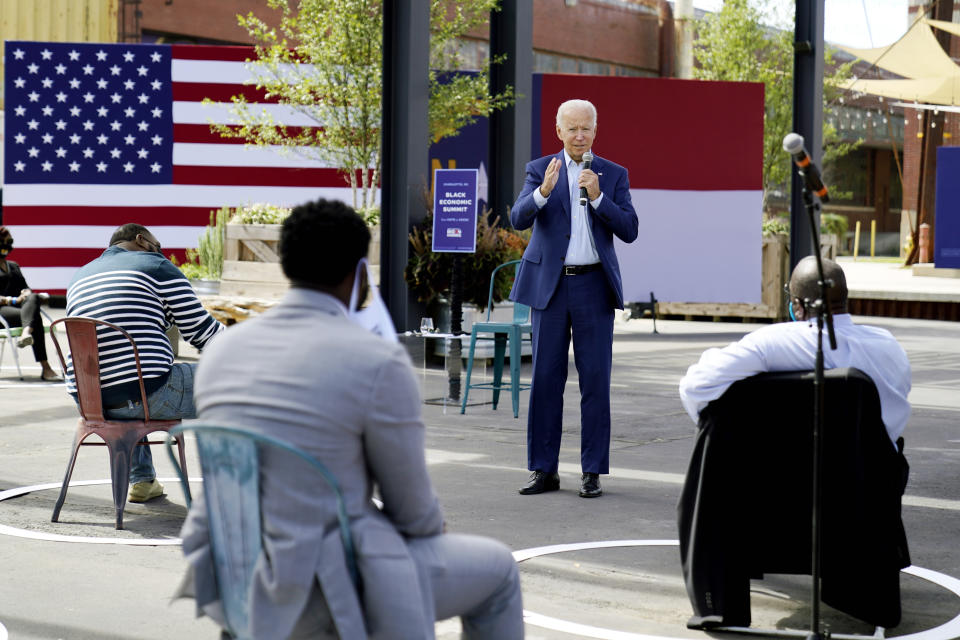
(855, 23)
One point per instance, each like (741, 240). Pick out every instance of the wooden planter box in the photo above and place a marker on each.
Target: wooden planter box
(251, 263)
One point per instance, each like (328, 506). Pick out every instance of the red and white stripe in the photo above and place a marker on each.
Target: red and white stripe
(58, 228)
(694, 151)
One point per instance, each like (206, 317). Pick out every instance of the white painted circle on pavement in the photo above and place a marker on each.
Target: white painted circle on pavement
(57, 537)
(946, 631)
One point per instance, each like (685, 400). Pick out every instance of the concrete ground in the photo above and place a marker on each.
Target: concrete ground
(96, 589)
(891, 280)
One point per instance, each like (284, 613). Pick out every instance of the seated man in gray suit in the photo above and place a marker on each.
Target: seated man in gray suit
(306, 373)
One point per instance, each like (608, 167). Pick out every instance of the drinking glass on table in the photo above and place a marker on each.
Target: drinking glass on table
(426, 325)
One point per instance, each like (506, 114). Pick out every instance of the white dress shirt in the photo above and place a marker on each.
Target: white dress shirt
(792, 346)
(581, 249)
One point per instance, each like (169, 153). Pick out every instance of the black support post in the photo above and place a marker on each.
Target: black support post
(406, 59)
(511, 33)
(807, 116)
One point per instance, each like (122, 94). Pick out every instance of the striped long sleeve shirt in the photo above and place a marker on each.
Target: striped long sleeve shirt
(143, 293)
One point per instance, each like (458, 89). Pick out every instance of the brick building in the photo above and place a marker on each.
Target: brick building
(925, 130)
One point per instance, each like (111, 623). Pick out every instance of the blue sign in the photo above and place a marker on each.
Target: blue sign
(946, 232)
(455, 210)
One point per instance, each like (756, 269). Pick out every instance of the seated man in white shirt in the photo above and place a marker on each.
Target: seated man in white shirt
(792, 346)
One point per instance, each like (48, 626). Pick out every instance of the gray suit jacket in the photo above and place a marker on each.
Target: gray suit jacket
(304, 373)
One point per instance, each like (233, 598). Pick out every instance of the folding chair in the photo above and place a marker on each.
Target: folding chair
(119, 436)
(502, 332)
(229, 458)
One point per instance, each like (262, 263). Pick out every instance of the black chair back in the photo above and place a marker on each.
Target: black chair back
(746, 504)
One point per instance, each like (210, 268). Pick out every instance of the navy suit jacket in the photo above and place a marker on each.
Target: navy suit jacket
(542, 263)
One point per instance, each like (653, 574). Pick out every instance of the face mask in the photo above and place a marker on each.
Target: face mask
(790, 308)
(374, 317)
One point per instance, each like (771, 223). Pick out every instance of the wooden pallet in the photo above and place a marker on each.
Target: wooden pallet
(251, 262)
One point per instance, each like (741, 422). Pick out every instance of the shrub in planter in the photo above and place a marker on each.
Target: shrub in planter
(428, 274)
(259, 213)
(206, 261)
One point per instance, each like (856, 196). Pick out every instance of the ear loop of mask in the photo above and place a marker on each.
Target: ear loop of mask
(355, 292)
(790, 308)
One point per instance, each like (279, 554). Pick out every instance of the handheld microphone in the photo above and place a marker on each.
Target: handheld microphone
(793, 144)
(587, 159)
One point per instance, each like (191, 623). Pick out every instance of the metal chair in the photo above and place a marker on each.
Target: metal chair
(119, 436)
(10, 334)
(229, 459)
(512, 331)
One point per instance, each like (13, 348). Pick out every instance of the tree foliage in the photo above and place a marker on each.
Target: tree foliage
(324, 62)
(734, 45)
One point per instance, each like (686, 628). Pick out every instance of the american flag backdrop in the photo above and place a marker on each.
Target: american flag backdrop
(97, 135)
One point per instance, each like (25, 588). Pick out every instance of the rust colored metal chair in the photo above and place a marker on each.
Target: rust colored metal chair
(119, 436)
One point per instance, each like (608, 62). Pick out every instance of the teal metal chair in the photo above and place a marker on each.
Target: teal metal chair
(229, 458)
(501, 333)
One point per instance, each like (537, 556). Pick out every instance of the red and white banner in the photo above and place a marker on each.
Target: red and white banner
(694, 151)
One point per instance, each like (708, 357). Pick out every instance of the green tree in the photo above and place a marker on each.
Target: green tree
(323, 60)
(733, 44)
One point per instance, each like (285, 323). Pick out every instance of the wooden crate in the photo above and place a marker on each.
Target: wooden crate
(251, 262)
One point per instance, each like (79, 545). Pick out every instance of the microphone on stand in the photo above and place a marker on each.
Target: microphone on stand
(587, 159)
(793, 144)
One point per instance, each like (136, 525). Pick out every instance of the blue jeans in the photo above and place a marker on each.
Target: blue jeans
(172, 401)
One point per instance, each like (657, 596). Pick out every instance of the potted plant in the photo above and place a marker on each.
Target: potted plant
(833, 232)
(204, 265)
(428, 274)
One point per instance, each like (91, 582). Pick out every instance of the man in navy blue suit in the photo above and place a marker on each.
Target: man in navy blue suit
(570, 278)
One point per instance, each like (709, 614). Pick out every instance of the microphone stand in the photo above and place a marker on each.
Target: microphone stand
(824, 317)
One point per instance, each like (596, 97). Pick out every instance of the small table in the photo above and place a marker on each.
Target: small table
(452, 367)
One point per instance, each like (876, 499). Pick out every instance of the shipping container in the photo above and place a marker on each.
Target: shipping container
(57, 21)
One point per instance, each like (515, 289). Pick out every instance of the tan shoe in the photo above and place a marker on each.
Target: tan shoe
(25, 341)
(147, 490)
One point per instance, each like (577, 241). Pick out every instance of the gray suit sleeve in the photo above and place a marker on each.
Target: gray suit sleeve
(394, 448)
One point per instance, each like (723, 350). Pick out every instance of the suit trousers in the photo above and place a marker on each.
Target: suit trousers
(582, 307)
(462, 575)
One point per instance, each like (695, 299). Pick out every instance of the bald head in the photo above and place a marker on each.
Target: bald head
(803, 283)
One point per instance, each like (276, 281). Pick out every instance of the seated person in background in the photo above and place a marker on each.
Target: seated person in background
(307, 373)
(134, 287)
(792, 346)
(20, 307)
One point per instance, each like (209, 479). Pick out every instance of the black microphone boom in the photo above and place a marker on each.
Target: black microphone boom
(587, 159)
(793, 144)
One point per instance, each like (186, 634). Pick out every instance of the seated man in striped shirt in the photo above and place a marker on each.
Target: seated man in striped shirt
(134, 287)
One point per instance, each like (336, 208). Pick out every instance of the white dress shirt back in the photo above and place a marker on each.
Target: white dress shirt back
(792, 346)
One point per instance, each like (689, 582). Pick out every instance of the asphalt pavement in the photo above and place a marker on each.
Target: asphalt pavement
(82, 579)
